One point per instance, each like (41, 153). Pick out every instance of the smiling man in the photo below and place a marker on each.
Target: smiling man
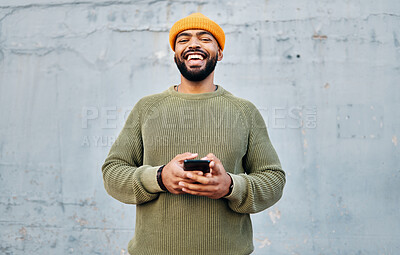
(191, 212)
(200, 63)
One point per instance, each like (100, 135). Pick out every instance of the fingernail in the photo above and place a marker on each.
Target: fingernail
(181, 184)
(189, 175)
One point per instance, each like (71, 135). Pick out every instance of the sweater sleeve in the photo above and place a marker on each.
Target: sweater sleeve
(125, 178)
(262, 184)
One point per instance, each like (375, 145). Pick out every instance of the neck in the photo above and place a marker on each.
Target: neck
(197, 87)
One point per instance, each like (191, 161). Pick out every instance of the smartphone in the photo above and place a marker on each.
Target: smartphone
(196, 165)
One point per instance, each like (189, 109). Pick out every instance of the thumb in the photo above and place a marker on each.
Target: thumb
(216, 167)
(187, 155)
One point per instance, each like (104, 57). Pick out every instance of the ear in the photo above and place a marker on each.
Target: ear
(220, 54)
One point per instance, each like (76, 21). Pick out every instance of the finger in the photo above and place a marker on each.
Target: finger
(189, 181)
(210, 155)
(185, 180)
(175, 189)
(177, 192)
(196, 187)
(186, 155)
(212, 164)
(216, 167)
(182, 174)
(179, 172)
(197, 193)
(215, 159)
(211, 161)
(201, 179)
(208, 175)
(178, 162)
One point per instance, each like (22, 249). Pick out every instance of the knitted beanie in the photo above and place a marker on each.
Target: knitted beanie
(197, 21)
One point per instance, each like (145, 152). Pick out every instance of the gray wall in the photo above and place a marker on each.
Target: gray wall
(324, 74)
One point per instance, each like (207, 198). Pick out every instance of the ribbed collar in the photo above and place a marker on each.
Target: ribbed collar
(171, 90)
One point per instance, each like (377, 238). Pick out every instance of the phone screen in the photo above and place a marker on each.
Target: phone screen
(196, 165)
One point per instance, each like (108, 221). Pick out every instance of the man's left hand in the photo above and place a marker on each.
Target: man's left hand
(214, 185)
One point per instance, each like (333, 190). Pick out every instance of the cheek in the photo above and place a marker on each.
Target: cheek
(179, 49)
(177, 56)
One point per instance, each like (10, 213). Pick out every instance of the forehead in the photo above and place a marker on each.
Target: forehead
(194, 32)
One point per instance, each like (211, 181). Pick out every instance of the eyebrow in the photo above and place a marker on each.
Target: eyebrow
(198, 34)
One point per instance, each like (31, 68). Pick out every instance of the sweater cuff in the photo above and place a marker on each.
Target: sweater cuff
(239, 187)
(149, 180)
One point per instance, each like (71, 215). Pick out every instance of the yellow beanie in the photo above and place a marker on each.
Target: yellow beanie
(197, 21)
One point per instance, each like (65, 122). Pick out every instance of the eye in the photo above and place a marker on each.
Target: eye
(182, 40)
(205, 39)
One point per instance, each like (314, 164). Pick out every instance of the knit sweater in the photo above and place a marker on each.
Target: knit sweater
(163, 125)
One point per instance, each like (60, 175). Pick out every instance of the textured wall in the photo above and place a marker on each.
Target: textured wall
(325, 75)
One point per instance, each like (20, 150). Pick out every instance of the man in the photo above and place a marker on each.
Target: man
(184, 212)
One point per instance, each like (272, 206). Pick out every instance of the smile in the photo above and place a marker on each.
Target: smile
(195, 57)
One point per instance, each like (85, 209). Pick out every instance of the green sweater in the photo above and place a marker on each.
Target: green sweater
(163, 125)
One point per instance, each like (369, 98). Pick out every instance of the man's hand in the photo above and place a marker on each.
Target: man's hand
(213, 185)
(173, 173)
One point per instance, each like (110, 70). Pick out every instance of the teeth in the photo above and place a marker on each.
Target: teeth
(195, 57)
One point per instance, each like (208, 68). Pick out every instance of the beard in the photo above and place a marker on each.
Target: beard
(196, 74)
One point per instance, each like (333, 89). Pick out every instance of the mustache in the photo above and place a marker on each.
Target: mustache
(194, 51)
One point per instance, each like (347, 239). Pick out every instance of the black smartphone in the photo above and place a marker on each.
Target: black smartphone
(196, 165)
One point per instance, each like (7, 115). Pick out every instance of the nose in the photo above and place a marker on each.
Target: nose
(194, 43)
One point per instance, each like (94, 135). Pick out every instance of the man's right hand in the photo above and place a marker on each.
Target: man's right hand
(173, 173)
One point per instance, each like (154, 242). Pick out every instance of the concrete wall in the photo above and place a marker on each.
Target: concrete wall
(325, 75)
